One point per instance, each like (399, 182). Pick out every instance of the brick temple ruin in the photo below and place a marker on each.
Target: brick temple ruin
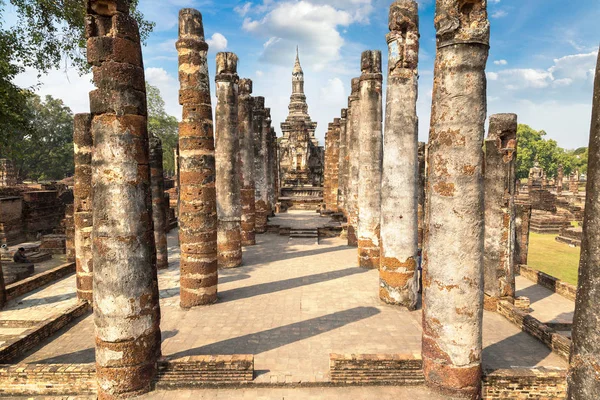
(254, 287)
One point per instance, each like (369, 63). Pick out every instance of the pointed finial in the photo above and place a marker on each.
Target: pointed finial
(297, 67)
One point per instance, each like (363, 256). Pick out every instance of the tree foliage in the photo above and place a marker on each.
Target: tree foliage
(163, 126)
(44, 150)
(532, 146)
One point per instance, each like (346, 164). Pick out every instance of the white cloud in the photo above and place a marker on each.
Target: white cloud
(501, 62)
(169, 89)
(243, 10)
(217, 42)
(333, 93)
(499, 14)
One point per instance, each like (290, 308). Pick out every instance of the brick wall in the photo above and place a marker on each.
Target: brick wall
(403, 369)
(525, 383)
(35, 282)
(205, 370)
(549, 282)
(48, 379)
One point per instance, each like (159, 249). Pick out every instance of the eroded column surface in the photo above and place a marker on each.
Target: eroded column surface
(159, 208)
(583, 378)
(227, 146)
(343, 162)
(370, 136)
(2, 288)
(82, 205)
(260, 193)
(500, 183)
(246, 138)
(353, 145)
(197, 192)
(265, 149)
(125, 290)
(327, 169)
(331, 173)
(560, 176)
(400, 185)
(522, 228)
(453, 252)
(271, 141)
(422, 184)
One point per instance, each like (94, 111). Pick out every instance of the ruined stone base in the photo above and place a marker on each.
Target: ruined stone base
(229, 247)
(361, 369)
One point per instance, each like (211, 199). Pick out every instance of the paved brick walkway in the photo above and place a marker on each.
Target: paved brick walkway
(291, 304)
(546, 305)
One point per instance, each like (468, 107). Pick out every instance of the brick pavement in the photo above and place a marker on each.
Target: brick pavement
(546, 305)
(291, 304)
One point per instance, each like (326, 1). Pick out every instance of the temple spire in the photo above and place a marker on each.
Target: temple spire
(297, 66)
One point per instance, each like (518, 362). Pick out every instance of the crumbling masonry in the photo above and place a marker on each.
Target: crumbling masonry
(82, 205)
(197, 193)
(583, 382)
(500, 190)
(259, 115)
(227, 146)
(399, 186)
(453, 263)
(332, 152)
(246, 138)
(343, 162)
(370, 159)
(126, 308)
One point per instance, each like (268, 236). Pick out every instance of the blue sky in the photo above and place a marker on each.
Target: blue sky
(542, 56)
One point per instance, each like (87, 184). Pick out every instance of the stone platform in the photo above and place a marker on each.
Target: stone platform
(291, 305)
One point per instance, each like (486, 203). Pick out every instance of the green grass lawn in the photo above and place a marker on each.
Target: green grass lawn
(554, 258)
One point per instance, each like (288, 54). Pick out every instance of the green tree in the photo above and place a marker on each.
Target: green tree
(163, 126)
(47, 34)
(44, 150)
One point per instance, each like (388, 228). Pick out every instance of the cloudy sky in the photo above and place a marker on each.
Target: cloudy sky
(541, 64)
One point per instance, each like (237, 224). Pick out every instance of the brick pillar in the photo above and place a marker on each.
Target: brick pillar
(583, 382)
(159, 208)
(197, 192)
(259, 113)
(559, 180)
(82, 206)
(453, 251)
(343, 163)
(332, 143)
(399, 186)
(327, 169)
(264, 144)
(353, 145)
(271, 140)
(227, 148)
(370, 136)
(70, 233)
(276, 166)
(500, 183)
(246, 137)
(125, 290)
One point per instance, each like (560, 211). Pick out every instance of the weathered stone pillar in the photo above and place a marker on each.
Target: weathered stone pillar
(197, 192)
(227, 147)
(343, 163)
(583, 380)
(559, 179)
(399, 186)
(370, 136)
(259, 113)
(2, 288)
(82, 205)
(275, 166)
(522, 225)
(125, 292)
(500, 183)
(353, 145)
(422, 184)
(271, 141)
(327, 168)
(265, 149)
(331, 173)
(69, 223)
(453, 254)
(246, 137)
(159, 208)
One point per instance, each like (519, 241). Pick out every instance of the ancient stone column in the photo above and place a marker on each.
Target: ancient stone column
(246, 137)
(159, 208)
(126, 308)
(583, 382)
(559, 179)
(500, 184)
(197, 192)
(422, 183)
(265, 149)
(370, 157)
(327, 168)
(353, 145)
(343, 162)
(271, 143)
(227, 147)
(400, 185)
(331, 173)
(69, 223)
(82, 205)
(522, 225)
(260, 194)
(453, 251)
